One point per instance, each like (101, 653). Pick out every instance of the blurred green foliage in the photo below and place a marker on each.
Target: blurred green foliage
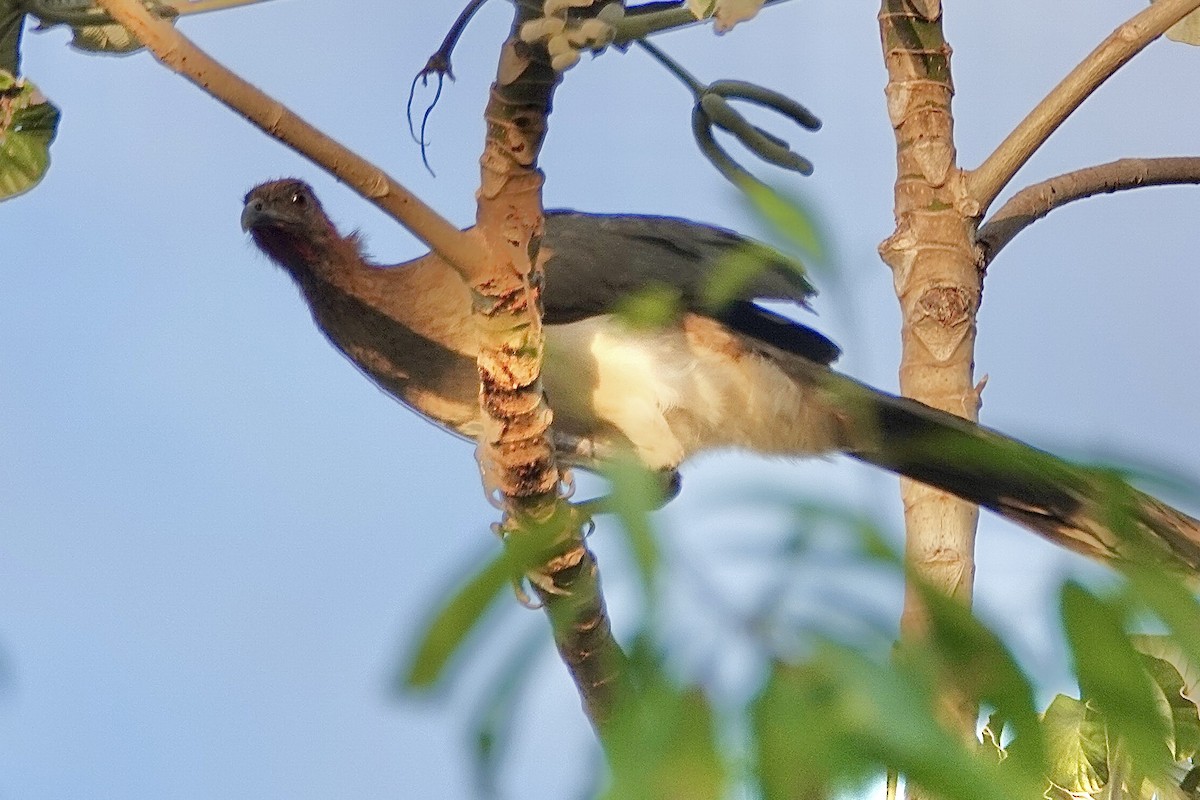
(834, 712)
(838, 706)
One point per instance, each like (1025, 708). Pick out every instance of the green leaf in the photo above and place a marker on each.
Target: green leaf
(94, 31)
(66, 12)
(113, 39)
(1112, 676)
(973, 658)
(453, 622)
(1077, 746)
(636, 491)
(1172, 602)
(28, 124)
(12, 24)
(1160, 479)
(663, 746)
(799, 748)
(729, 278)
(834, 721)
(493, 721)
(789, 217)
(1179, 681)
(653, 306)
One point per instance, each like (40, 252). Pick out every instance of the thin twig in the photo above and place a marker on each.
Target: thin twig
(675, 68)
(990, 177)
(439, 65)
(180, 54)
(1034, 202)
(439, 62)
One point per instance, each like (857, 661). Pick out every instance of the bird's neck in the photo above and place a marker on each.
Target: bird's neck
(327, 258)
(425, 295)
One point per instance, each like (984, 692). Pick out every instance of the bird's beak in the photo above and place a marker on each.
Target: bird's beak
(253, 215)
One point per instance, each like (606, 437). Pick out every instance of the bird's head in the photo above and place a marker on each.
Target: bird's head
(287, 222)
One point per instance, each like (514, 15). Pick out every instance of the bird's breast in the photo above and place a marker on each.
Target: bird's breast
(672, 391)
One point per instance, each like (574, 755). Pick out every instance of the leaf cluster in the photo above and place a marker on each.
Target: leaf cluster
(834, 712)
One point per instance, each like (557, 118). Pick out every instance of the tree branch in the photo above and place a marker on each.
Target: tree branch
(1034, 202)
(188, 7)
(938, 284)
(568, 582)
(175, 51)
(990, 177)
(584, 638)
(515, 449)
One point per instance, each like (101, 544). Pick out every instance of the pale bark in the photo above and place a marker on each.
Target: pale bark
(938, 281)
(180, 54)
(989, 178)
(516, 453)
(1034, 202)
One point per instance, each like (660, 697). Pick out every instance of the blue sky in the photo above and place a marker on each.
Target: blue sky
(216, 538)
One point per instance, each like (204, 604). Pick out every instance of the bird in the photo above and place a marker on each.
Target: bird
(731, 376)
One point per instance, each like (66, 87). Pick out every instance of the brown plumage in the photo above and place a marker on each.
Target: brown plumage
(741, 377)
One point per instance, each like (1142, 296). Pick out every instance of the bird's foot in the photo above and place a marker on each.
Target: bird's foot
(666, 487)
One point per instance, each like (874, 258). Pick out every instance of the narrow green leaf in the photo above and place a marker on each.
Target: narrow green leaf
(1160, 479)
(1113, 677)
(636, 491)
(28, 124)
(834, 721)
(653, 306)
(976, 660)
(663, 746)
(789, 217)
(728, 280)
(494, 719)
(453, 622)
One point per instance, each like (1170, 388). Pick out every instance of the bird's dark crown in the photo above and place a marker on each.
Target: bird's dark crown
(288, 223)
(283, 205)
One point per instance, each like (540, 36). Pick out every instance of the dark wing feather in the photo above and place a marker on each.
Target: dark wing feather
(596, 260)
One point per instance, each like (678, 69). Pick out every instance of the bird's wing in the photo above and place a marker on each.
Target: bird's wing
(596, 260)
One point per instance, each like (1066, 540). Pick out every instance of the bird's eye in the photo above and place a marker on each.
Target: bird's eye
(298, 199)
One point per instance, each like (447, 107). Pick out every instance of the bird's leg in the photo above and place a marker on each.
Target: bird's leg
(584, 452)
(669, 481)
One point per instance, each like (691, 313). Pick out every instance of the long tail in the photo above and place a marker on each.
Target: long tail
(1091, 511)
